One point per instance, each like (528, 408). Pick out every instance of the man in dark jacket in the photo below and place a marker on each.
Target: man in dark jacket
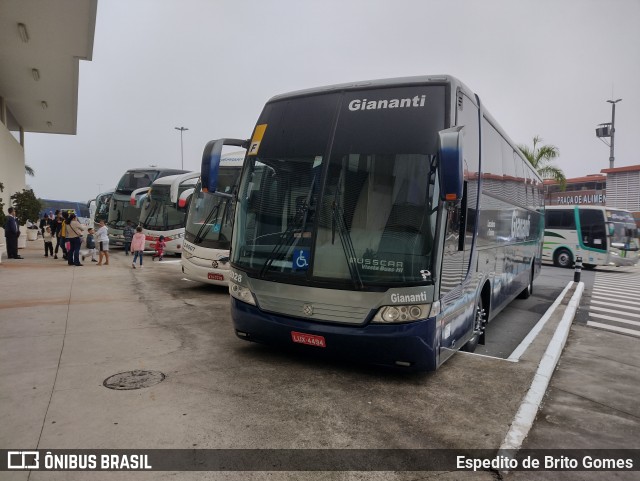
(11, 233)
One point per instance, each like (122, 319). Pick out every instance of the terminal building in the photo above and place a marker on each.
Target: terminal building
(616, 188)
(41, 43)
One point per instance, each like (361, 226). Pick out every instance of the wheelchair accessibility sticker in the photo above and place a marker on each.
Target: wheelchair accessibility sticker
(301, 259)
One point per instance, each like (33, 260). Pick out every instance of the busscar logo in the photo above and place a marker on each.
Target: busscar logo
(23, 459)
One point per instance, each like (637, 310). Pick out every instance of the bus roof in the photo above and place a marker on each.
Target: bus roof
(157, 169)
(372, 84)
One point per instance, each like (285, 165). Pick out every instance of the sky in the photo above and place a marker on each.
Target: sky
(541, 67)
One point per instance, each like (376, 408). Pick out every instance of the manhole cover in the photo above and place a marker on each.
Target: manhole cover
(133, 380)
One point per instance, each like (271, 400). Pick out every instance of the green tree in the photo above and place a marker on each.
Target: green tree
(27, 206)
(541, 158)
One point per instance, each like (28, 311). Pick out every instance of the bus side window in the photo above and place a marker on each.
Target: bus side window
(593, 228)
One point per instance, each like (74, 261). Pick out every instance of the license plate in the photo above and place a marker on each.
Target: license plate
(215, 277)
(308, 339)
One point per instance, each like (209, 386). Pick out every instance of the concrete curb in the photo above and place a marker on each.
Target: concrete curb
(530, 404)
(526, 342)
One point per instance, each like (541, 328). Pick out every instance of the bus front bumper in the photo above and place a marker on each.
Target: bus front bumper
(411, 346)
(210, 275)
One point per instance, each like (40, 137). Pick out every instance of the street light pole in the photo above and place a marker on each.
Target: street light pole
(181, 129)
(613, 130)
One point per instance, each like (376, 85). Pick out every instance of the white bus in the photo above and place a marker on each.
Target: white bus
(205, 257)
(164, 210)
(384, 221)
(600, 235)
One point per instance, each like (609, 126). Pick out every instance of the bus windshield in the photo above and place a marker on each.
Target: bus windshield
(625, 234)
(159, 213)
(135, 179)
(210, 219)
(346, 200)
(121, 211)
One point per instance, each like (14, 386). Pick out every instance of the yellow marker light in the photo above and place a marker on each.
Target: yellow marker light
(256, 139)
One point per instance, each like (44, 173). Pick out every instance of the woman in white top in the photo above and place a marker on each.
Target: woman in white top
(102, 236)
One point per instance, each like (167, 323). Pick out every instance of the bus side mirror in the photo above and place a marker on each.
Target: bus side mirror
(211, 161)
(185, 197)
(138, 195)
(450, 171)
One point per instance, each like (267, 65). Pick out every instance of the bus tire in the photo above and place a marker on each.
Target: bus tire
(478, 327)
(527, 291)
(563, 258)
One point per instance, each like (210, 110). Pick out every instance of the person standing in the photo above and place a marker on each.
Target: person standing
(128, 233)
(48, 241)
(63, 234)
(11, 234)
(102, 235)
(90, 245)
(74, 236)
(137, 246)
(56, 230)
(44, 222)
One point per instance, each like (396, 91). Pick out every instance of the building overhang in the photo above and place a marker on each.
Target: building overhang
(616, 170)
(41, 44)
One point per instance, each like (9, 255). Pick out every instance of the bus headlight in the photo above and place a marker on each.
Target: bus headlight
(241, 293)
(396, 314)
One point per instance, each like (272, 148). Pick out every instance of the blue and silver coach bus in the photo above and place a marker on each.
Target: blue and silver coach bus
(386, 220)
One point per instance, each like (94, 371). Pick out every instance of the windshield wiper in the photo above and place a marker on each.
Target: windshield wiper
(298, 222)
(146, 223)
(337, 218)
(347, 244)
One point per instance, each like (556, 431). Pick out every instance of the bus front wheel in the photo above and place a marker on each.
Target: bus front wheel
(563, 258)
(478, 328)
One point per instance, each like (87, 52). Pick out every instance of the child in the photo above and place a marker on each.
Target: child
(48, 241)
(90, 245)
(137, 246)
(160, 245)
(103, 238)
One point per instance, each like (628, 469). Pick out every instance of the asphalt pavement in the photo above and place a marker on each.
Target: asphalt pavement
(65, 331)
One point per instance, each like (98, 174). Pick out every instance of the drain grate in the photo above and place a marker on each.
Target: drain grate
(133, 380)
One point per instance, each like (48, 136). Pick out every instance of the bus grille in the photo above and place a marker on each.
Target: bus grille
(320, 311)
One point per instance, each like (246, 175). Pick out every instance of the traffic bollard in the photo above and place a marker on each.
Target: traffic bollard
(578, 271)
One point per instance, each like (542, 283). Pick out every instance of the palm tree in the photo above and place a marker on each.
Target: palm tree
(29, 170)
(540, 157)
